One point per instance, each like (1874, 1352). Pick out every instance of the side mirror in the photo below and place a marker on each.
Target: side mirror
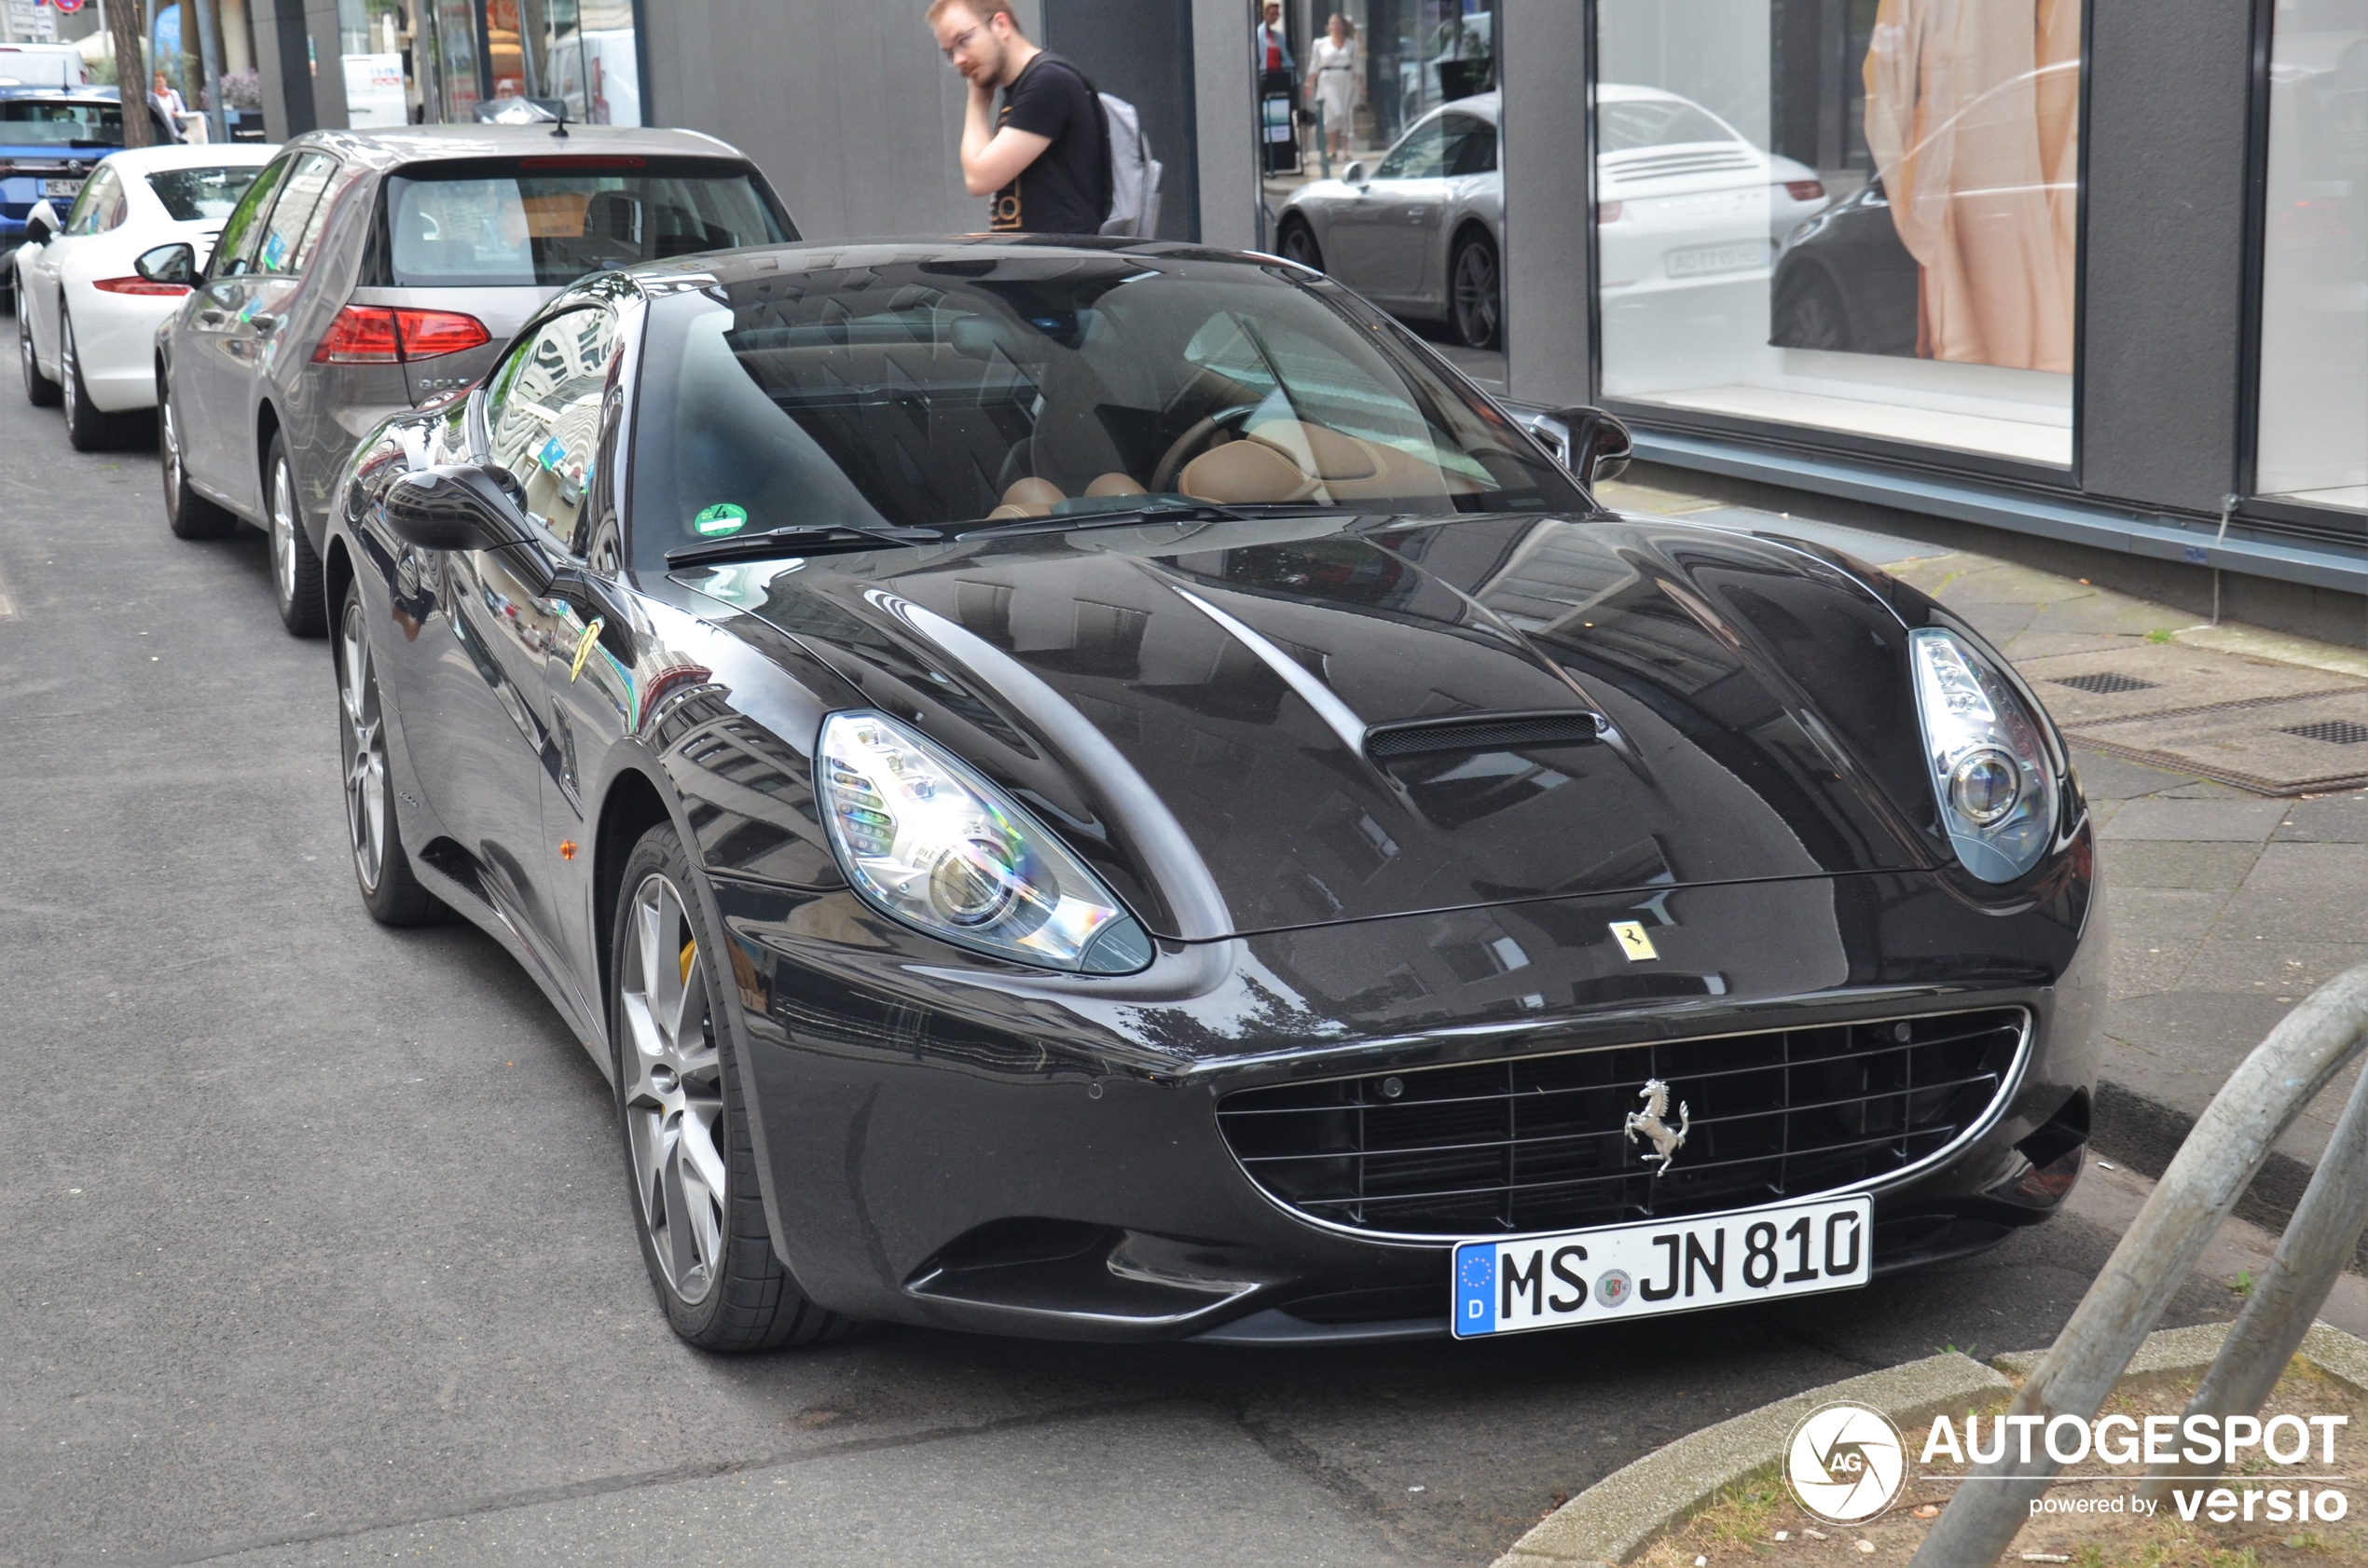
(176, 263)
(1354, 173)
(1595, 445)
(457, 507)
(41, 224)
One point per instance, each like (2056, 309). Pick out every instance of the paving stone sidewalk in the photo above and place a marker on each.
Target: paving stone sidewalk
(2226, 906)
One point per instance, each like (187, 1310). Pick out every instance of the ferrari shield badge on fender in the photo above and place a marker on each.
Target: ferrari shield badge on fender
(1630, 934)
(583, 646)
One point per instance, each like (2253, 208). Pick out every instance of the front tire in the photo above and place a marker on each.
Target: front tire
(688, 1153)
(1476, 294)
(1298, 242)
(390, 891)
(295, 571)
(187, 514)
(39, 390)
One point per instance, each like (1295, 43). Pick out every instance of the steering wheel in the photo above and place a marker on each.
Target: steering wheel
(1187, 445)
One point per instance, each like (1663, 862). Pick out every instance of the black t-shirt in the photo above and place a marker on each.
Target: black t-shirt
(1066, 189)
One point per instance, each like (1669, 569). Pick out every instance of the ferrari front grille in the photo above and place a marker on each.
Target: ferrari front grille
(1540, 1142)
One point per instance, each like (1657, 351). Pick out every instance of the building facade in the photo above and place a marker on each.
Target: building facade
(2092, 269)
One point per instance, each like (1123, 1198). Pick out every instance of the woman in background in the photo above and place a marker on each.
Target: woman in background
(1335, 75)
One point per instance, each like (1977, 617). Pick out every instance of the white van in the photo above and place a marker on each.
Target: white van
(42, 65)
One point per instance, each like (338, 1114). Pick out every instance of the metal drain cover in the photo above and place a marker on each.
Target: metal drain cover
(2105, 685)
(2335, 732)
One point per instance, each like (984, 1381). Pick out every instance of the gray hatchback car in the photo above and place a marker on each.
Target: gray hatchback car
(367, 272)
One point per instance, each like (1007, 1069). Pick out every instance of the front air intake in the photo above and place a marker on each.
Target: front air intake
(1537, 1143)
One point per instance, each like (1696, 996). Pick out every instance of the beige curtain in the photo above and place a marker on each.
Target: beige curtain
(1973, 116)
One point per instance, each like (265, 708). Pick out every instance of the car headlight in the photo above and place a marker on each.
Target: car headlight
(1991, 766)
(928, 840)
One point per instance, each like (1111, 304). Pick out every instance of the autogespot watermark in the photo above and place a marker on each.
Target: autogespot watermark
(1846, 1463)
(2205, 1442)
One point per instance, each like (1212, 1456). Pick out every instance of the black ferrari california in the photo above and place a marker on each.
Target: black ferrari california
(1100, 789)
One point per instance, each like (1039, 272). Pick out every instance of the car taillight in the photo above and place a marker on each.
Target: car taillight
(1805, 190)
(141, 286)
(1607, 212)
(428, 333)
(376, 335)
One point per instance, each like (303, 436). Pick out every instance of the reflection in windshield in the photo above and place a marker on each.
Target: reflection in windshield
(1006, 389)
(191, 195)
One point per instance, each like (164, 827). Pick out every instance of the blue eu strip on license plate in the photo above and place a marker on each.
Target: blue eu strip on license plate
(1660, 1265)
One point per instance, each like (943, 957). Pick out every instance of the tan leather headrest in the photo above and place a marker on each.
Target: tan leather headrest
(1244, 472)
(1114, 483)
(1325, 453)
(1034, 497)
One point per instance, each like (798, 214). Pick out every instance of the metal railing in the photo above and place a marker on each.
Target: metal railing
(2306, 1051)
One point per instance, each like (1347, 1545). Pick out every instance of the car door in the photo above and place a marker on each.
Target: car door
(96, 210)
(257, 302)
(1377, 238)
(202, 375)
(495, 745)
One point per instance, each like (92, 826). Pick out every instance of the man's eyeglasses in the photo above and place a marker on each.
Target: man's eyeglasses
(961, 41)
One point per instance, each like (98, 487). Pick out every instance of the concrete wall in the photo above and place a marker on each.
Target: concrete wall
(848, 109)
(1228, 126)
(1141, 50)
(1548, 286)
(281, 68)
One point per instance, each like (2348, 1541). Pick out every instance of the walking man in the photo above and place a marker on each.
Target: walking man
(1046, 156)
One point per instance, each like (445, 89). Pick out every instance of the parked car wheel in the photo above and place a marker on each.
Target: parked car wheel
(389, 889)
(687, 1149)
(1298, 242)
(1809, 314)
(39, 390)
(187, 514)
(295, 571)
(1476, 294)
(88, 427)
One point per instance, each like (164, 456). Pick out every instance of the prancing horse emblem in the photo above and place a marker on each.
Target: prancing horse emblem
(1667, 1140)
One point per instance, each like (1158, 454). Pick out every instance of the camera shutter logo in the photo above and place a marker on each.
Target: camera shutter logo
(1845, 1463)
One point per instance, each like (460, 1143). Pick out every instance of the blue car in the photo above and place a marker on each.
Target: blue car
(51, 139)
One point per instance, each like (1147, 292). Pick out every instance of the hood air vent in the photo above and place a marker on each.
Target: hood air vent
(1482, 731)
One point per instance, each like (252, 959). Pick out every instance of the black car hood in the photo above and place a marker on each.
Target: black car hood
(1188, 705)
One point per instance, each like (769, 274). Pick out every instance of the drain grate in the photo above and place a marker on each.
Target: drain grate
(2335, 732)
(2106, 685)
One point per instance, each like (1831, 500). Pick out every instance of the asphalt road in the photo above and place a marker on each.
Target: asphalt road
(314, 1245)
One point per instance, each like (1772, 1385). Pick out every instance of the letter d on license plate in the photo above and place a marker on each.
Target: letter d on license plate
(1661, 1266)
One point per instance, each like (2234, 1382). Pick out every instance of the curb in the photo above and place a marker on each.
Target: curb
(1612, 1519)
(1617, 1517)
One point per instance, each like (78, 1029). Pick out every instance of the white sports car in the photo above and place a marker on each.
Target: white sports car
(86, 317)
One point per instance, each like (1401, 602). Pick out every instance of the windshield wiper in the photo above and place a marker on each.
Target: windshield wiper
(804, 539)
(1134, 516)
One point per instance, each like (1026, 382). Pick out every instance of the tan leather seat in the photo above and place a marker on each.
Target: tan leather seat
(1028, 498)
(1244, 474)
(1115, 484)
(1327, 454)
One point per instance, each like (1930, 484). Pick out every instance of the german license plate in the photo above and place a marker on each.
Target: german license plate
(1661, 1266)
(61, 187)
(1717, 258)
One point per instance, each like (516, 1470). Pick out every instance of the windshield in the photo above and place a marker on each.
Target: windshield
(1630, 124)
(35, 122)
(929, 392)
(192, 194)
(548, 221)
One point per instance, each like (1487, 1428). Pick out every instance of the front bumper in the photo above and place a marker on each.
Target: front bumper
(970, 1147)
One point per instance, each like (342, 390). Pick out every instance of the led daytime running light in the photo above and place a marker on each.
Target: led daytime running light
(1992, 774)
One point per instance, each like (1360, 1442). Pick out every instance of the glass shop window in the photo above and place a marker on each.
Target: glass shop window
(1853, 215)
(2313, 444)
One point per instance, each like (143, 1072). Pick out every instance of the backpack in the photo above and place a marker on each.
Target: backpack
(1135, 174)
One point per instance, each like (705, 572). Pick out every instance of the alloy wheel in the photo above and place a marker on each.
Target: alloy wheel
(365, 748)
(1475, 295)
(169, 439)
(673, 1091)
(284, 527)
(67, 369)
(24, 353)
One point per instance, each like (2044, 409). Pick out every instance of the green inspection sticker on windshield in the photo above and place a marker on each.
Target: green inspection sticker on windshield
(714, 522)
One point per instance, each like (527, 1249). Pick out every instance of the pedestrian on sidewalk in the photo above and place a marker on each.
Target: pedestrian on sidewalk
(1336, 72)
(1046, 156)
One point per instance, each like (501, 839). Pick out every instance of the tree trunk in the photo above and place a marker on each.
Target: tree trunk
(130, 73)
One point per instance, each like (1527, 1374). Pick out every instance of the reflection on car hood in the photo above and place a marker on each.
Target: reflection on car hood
(1190, 704)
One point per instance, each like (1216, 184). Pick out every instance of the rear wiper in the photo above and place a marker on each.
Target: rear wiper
(1134, 516)
(805, 539)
